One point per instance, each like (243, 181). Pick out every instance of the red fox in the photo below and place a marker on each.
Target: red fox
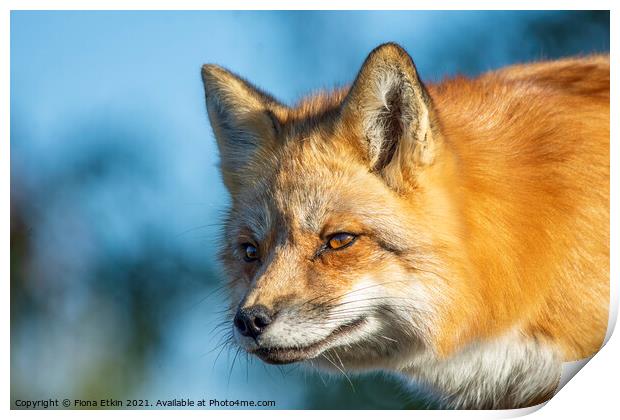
(455, 234)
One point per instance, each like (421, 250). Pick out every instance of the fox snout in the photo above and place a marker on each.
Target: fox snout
(252, 321)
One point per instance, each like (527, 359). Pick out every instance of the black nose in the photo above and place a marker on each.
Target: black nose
(252, 321)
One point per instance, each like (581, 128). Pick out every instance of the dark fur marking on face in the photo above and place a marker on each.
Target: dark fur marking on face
(391, 248)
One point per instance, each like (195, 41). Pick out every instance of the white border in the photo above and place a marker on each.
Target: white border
(591, 394)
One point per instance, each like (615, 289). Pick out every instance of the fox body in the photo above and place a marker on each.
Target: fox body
(456, 234)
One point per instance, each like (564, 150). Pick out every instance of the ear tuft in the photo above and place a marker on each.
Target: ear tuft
(386, 116)
(391, 108)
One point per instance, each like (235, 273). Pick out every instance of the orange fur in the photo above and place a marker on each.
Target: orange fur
(532, 144)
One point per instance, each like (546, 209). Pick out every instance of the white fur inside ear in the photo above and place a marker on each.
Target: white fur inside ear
(394, 111)
(388, 81)
(376, 110)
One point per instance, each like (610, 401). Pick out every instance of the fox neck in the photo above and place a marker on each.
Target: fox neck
(440, 194)
(508, 372)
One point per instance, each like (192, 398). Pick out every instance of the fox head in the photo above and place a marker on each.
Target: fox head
(341, 245)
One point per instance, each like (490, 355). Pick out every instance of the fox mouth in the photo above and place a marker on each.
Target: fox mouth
(285, 355)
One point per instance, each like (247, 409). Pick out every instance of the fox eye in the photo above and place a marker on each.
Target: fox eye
(250, 253)
(340, 240)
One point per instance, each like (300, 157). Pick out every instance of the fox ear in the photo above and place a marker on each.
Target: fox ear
(391, 112)
(244, 122)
